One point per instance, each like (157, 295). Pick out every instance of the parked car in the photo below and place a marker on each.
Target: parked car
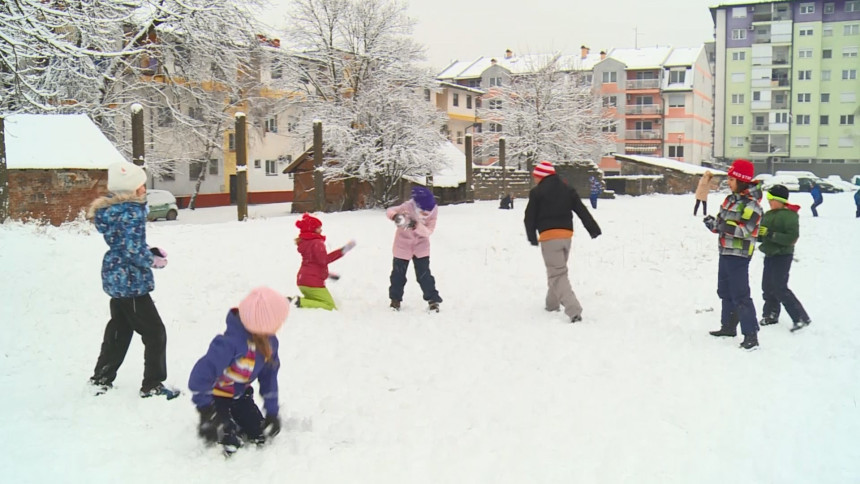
(788, 181)
(162, 204)
(826, 187)
(838, 182)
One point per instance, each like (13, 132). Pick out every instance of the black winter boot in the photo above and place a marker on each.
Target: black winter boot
(768, 319)
(750, 341)
(395, 305)
(728, 329)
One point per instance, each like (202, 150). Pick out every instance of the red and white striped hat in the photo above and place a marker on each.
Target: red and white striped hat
(542, 169)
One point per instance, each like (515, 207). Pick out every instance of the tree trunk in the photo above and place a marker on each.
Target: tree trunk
(4, 175)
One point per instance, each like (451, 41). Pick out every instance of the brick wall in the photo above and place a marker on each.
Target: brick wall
(488, 180)
(670, 181)
(53, 196)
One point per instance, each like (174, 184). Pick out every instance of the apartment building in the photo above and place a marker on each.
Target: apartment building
(788, 86)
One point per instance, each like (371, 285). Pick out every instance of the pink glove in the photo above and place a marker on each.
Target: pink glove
(159, 262)
(158, 252)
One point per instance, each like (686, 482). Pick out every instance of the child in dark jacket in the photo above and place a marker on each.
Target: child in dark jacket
(127, 279)
(314, 269)
(857, 202)
(737, 224)
(778, 233)
(221, 379)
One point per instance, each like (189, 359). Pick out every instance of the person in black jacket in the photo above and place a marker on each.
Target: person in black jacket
(549, 222)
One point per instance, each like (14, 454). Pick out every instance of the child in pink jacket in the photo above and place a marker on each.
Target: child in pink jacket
(415, 220)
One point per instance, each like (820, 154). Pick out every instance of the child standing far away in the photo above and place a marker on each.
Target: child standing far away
(779, 230)
(127, 279)
(315, 260)
(817, 198)
(857, 202)
(416, 221)
(737, 224)
(596, 189)
(221, 380)
(702, 190)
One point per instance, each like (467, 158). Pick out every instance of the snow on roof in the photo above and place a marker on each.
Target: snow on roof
(453, 70)
(52, 141)
(464, 88)
(644, 58)
(577, 63)
(671, 164)
(683, 56)
(735, 3)
(453, 170)
(477, 68)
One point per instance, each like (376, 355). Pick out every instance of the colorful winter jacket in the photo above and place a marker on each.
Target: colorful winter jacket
(783, 229)
(595, 186)
(549, 211)
(231, 364)
(738, 221)
(126, 266)
(413, 242)
(315, 260)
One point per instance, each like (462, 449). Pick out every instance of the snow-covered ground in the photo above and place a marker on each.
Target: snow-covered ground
(492, 389)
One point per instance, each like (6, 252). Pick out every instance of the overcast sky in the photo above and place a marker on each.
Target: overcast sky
(465, 30)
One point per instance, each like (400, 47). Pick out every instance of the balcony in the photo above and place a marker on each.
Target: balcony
(643, 134)
(647, 109)
(771, 16)
(760, 127)
(639, 84)
(769, 61)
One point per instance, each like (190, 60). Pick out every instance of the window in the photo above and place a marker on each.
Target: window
(804, 75)
(468, 102)
(848, 74)
(169, 173)
(802, 141)
(737, 141)
(852, 6)
(195, 113)
(807, 8)
(272, 124)
(231, 142)
(780, 118)
(474, 83)
(495, 128)
(827, 54)
(495, 104)
(739, 56)
(277, 70)
(824, 142)
(804, 97)
(677, 100)
(825, 75)
(801, 119)
(737, 120)
(829, 8)
(827, 31)
(737, 98)
(756, 95)
(456, 99)
(739, 12)
(495, 82)
(195, 170)
(213, 167)
(824, 120)
(825, 97)
(804, 53)
(739, 77)
(676, 151)
(846, 142)
(271, 168)
(852, 29)
(292, 124)
(610, 101)
(677, 77)
(609, 128)
(848, 97)
(610, 77)
(459, 137)
(846, 120)
(257, 164)
(806, 32)
(849, 51)
(739, 34)
(164, 117)
(426, 94)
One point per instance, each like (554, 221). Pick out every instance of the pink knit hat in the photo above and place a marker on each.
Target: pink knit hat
(263, 311)
(542, 169)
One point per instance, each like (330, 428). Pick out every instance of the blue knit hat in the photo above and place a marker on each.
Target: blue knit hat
(423, 198)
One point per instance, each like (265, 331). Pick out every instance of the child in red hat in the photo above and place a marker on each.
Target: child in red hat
(315, 260)
(737, 224)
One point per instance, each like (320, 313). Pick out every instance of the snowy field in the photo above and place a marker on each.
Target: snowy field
(492, 389)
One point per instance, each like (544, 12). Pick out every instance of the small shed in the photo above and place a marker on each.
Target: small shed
(57, 164)
(641, 175)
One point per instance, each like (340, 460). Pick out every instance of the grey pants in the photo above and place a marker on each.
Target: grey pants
(555, 254)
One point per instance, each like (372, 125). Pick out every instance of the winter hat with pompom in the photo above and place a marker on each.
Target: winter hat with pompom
(308, 223)
(543, 169)
(125, 177)
(263, 311)
(423, 198)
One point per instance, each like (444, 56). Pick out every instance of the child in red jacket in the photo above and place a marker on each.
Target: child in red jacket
(314, 269)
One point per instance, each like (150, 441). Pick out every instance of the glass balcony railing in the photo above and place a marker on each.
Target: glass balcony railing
(643, 84)
(652, 134)
(644, 108)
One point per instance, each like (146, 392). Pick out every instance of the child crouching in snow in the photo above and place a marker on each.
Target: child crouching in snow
(221, 379)
(415, 220)
(314, 269)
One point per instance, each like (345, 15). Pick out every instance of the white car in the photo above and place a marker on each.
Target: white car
(788, 181)
(162, 204)
(838, 182)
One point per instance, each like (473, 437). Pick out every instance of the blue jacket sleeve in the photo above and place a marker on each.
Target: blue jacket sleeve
(269, 381)
(135, 242)
(207, 370)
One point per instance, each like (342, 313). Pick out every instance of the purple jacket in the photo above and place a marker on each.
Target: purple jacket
(231, 364)
(408, 242)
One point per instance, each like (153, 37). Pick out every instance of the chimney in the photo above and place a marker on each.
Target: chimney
(493, 61)
(583, 51)
(602, 54)
(509, 53)
(276, 43)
